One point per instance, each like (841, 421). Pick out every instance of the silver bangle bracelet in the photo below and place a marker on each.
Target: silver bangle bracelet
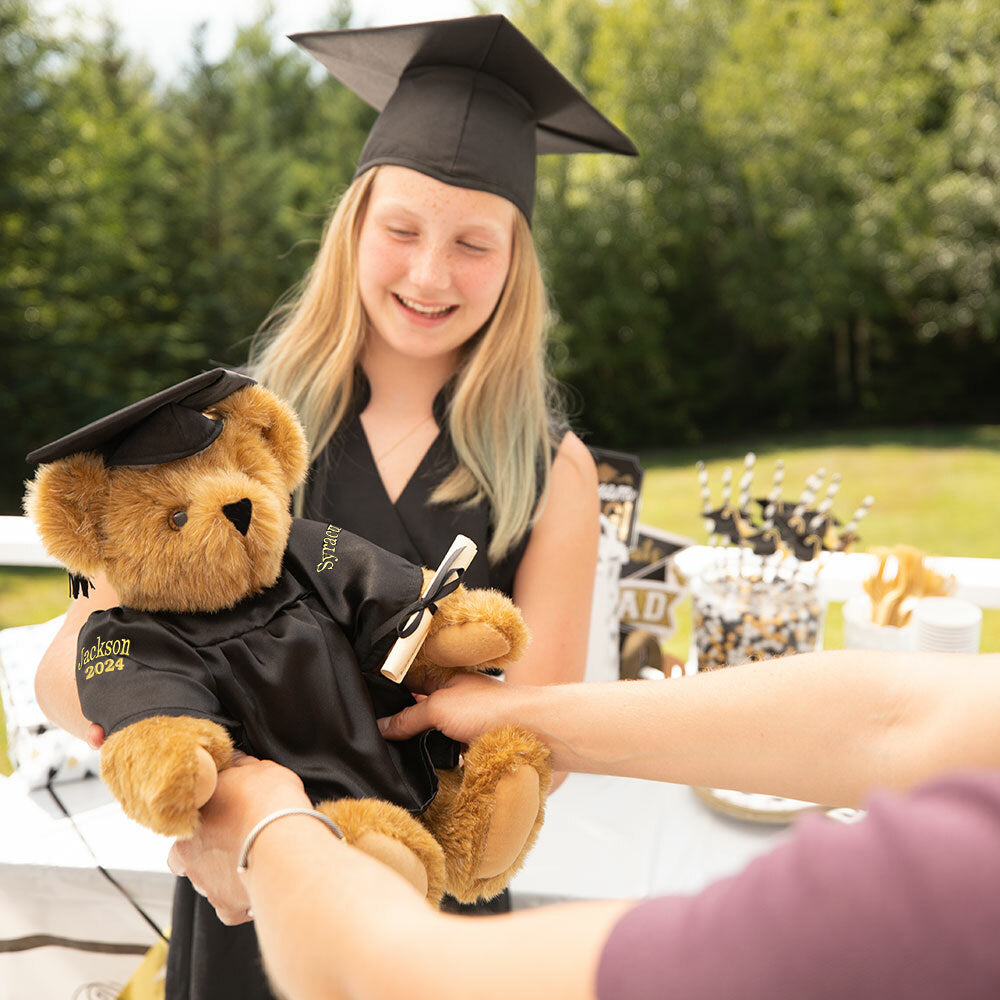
(256, 831)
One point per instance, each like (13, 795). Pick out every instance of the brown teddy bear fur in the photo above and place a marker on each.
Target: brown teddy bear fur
(462, 814)
(471, 628)
(93, 518)
(170, 776)
(357, 818)
(117, 521)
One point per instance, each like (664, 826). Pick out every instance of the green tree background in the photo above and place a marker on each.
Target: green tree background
(810, 238)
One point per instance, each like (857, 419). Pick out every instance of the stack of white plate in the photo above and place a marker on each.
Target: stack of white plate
(948, 625)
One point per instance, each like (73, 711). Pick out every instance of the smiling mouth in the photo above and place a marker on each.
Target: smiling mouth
(431, 312)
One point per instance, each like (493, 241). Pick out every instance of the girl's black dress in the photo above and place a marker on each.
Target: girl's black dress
(206, 959)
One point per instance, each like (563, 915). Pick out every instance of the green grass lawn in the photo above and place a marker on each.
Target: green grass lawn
(936, 489)
(27, 596)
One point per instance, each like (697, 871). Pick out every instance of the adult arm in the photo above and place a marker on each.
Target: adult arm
(55, 679)
(824, 727)
(901, 904)
(327, 915)
(554, 584)
(801, 920)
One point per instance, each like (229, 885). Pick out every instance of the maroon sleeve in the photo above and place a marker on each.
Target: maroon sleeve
(905, 903)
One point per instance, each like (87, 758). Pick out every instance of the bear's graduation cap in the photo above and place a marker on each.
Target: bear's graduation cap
(160, 428)
(469, 101)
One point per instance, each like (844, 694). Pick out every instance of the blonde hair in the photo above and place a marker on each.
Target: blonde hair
(504, 404)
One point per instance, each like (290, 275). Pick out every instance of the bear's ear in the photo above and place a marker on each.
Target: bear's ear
(66, 500)
(278, 425)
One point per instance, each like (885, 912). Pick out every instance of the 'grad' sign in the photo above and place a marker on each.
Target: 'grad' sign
(648, 604)
(649, 584)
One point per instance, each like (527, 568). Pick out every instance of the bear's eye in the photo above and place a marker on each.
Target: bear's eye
(178, 518)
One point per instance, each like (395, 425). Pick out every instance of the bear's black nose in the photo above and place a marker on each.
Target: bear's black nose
(239, 513)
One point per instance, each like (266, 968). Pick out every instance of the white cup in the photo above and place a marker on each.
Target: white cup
(860, 632)
(948, 625)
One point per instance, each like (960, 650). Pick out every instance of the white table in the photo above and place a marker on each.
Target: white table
(63, 925)
(603, 838)
(841, 573)
(609, 838)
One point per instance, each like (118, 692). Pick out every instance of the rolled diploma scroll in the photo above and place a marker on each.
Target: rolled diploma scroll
(405, 649)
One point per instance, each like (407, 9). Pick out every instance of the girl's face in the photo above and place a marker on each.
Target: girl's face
(432, 261)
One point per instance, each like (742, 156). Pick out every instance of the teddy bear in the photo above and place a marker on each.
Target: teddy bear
(241, 627)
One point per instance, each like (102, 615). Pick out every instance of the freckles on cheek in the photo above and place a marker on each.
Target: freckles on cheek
(378, 261)
(488, 277)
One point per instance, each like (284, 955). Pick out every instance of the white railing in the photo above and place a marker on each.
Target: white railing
(840, 573)
(20, 544)
(840, 576)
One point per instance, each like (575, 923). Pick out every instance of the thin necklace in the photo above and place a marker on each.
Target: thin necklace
(413, 430)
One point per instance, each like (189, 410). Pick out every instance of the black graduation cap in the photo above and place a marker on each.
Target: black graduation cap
(469, 101)
(160, 428)
(725, 522)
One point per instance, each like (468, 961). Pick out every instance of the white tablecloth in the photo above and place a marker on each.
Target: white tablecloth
(64, 927)
(607, 838)
(65, 930)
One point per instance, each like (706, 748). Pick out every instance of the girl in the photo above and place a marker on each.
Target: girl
(414, 355)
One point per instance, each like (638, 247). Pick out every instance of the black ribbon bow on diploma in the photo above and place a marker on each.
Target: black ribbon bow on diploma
(445, 582)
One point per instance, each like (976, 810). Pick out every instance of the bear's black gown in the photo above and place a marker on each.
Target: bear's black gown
(292, 673)
(207, 960)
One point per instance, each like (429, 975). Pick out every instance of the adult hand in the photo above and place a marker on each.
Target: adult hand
(247, 792)
(464, 707)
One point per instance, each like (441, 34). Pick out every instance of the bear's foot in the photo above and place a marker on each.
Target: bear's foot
(466, 645)
(162, 770)
(473, 627)
(516, 803)
(391, 835)
(487, 813)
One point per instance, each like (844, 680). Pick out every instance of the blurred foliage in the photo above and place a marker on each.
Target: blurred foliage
(809, 237)
(147, 230)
